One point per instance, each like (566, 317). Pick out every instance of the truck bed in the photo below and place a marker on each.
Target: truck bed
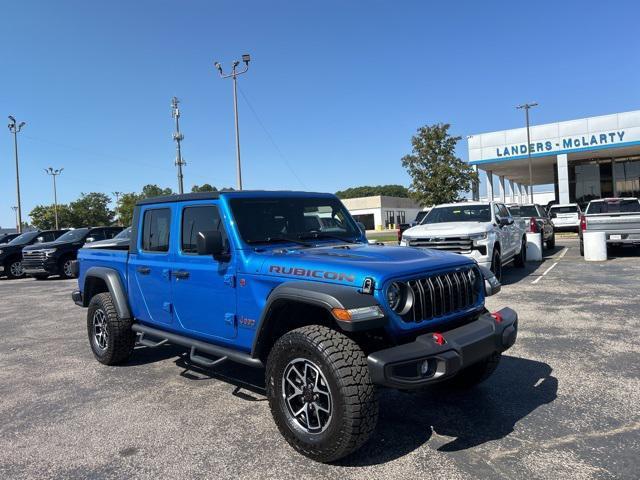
(103, 257)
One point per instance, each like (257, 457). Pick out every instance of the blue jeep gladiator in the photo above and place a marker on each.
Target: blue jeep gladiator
(287, 281)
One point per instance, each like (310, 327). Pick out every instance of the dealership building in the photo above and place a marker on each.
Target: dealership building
(583, 159)
(382, 212)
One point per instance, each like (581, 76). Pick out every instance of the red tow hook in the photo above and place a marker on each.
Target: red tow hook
(438, 338)
(497, 317)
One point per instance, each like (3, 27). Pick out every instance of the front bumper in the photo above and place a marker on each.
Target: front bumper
(401, 366)
(49, 266)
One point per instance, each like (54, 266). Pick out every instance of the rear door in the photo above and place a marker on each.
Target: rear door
(149, 269)
(505, 233)
(203, 287)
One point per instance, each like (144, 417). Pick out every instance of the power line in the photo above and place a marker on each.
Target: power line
(273, 142)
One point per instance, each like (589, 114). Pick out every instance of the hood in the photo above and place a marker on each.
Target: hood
(350, 265)
(448, 229)
(7, 249)
(54, 244)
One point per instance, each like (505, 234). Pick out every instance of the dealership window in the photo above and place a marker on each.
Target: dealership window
(389, 218)
(400, 217)
(590, 180)
(627, 177)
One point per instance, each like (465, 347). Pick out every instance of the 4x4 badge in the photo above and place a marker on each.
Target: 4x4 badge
(368, 285)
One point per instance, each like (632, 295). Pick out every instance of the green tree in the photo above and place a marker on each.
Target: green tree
(205, 187)
(152, 190)
(128, 201)
(43, 217)
(438, 175)
(369, 191)
(91, 209)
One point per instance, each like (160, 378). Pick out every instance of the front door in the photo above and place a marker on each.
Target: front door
(149, 272)
(203, 287)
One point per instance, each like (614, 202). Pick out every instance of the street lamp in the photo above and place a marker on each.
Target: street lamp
(15, 212)
(54, 174)
(117, 195)
(14, 128)
(246, 58)
(526, 107)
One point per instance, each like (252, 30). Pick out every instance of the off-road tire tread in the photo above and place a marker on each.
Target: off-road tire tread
(349, 363)
(122, 339)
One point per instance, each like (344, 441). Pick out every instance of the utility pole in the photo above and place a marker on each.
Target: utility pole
(177, 136)
(526, 107)
(15, 212)
(15, 127)
(246, 58)
(54, 174)
(117, 195)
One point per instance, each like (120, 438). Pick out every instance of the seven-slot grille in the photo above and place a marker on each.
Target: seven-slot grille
(443, 294)
(450, 244)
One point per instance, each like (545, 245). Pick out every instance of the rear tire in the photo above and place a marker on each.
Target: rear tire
(320, 392)
(551, 243)
(521, 259)
(476, 373)
(581, 248)
(13, 269)
(110, 337)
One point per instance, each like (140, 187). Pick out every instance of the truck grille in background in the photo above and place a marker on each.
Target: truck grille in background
(443, 294)
(450, 244)
(33, 258)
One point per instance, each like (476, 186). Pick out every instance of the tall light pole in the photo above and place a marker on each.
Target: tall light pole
(15, 212)
(178, 137)
(15, 127)
(246, 58)
(526, 107)
(117, 195)
(54, 173)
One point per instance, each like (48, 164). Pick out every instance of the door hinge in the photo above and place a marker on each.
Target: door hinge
(167, 307)
(230, 318)
(230, 280)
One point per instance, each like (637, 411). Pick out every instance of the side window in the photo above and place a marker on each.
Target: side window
(496, 212)
(155, 230)
(200, 219)
(504, 213)
(97, 234)
(110, 233)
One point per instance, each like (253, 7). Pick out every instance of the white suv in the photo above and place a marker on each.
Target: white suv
(565, 216)
(484, 231)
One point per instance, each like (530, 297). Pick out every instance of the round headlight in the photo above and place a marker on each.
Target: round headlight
(394, 295)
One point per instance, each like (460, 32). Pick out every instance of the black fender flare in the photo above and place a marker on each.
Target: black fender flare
(111, 278)
(325, 295)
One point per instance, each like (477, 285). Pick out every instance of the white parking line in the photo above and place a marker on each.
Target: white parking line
(544, 273)
(563, 253)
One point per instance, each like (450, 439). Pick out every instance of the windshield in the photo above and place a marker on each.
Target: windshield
(124, 234)
(567, 209)
(459, 213)
(523, 211)
(420, 216)
(73, 235)
(267, 220)
(614, 206)
(24, 238)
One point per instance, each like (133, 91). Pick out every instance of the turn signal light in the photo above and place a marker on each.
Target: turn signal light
(342, 314)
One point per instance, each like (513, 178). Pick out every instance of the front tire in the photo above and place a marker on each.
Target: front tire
(110, 337)
(496, 264)
(320, 393)
(65, 268)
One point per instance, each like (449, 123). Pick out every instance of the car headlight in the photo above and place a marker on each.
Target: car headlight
(399, 297)
(478, 236)
(49, 251)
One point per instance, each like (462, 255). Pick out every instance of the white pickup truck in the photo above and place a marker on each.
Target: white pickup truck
(484, 231)
(619, 218)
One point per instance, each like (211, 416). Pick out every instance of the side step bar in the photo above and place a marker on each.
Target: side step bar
(216, 350)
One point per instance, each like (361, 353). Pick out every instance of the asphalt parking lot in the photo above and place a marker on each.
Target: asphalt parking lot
(562, 404)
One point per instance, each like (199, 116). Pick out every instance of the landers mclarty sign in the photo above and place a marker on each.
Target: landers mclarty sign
(565, 143)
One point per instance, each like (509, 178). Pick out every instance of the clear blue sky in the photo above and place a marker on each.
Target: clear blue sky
(340, 86)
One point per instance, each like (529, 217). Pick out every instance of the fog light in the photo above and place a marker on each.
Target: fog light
(427, 368)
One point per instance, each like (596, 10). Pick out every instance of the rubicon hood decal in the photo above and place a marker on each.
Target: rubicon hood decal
(303, 272)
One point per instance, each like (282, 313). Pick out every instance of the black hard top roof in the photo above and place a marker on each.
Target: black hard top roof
(216, 195)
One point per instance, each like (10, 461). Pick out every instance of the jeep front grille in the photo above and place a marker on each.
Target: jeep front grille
(450, 244)
(443, 294)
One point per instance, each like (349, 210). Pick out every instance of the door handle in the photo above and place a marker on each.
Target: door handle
(143, 270)
(181, 274)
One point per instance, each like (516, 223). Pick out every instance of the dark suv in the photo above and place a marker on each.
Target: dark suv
(7, 237)
(11, 263)
(57, 257)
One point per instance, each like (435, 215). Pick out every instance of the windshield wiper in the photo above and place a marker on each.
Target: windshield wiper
(280, 239)
(317, 235)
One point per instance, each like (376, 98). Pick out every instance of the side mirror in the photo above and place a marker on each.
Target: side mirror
(210, 243)
(89, 240)
(503, 222)
(363, 229)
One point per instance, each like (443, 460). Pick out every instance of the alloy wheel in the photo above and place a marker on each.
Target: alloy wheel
(307, 395)
(67, 268)
(100, 330)
(16, 269)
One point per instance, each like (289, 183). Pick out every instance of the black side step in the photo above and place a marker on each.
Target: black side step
(211, 349)
(203, 361)
(150, 343)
